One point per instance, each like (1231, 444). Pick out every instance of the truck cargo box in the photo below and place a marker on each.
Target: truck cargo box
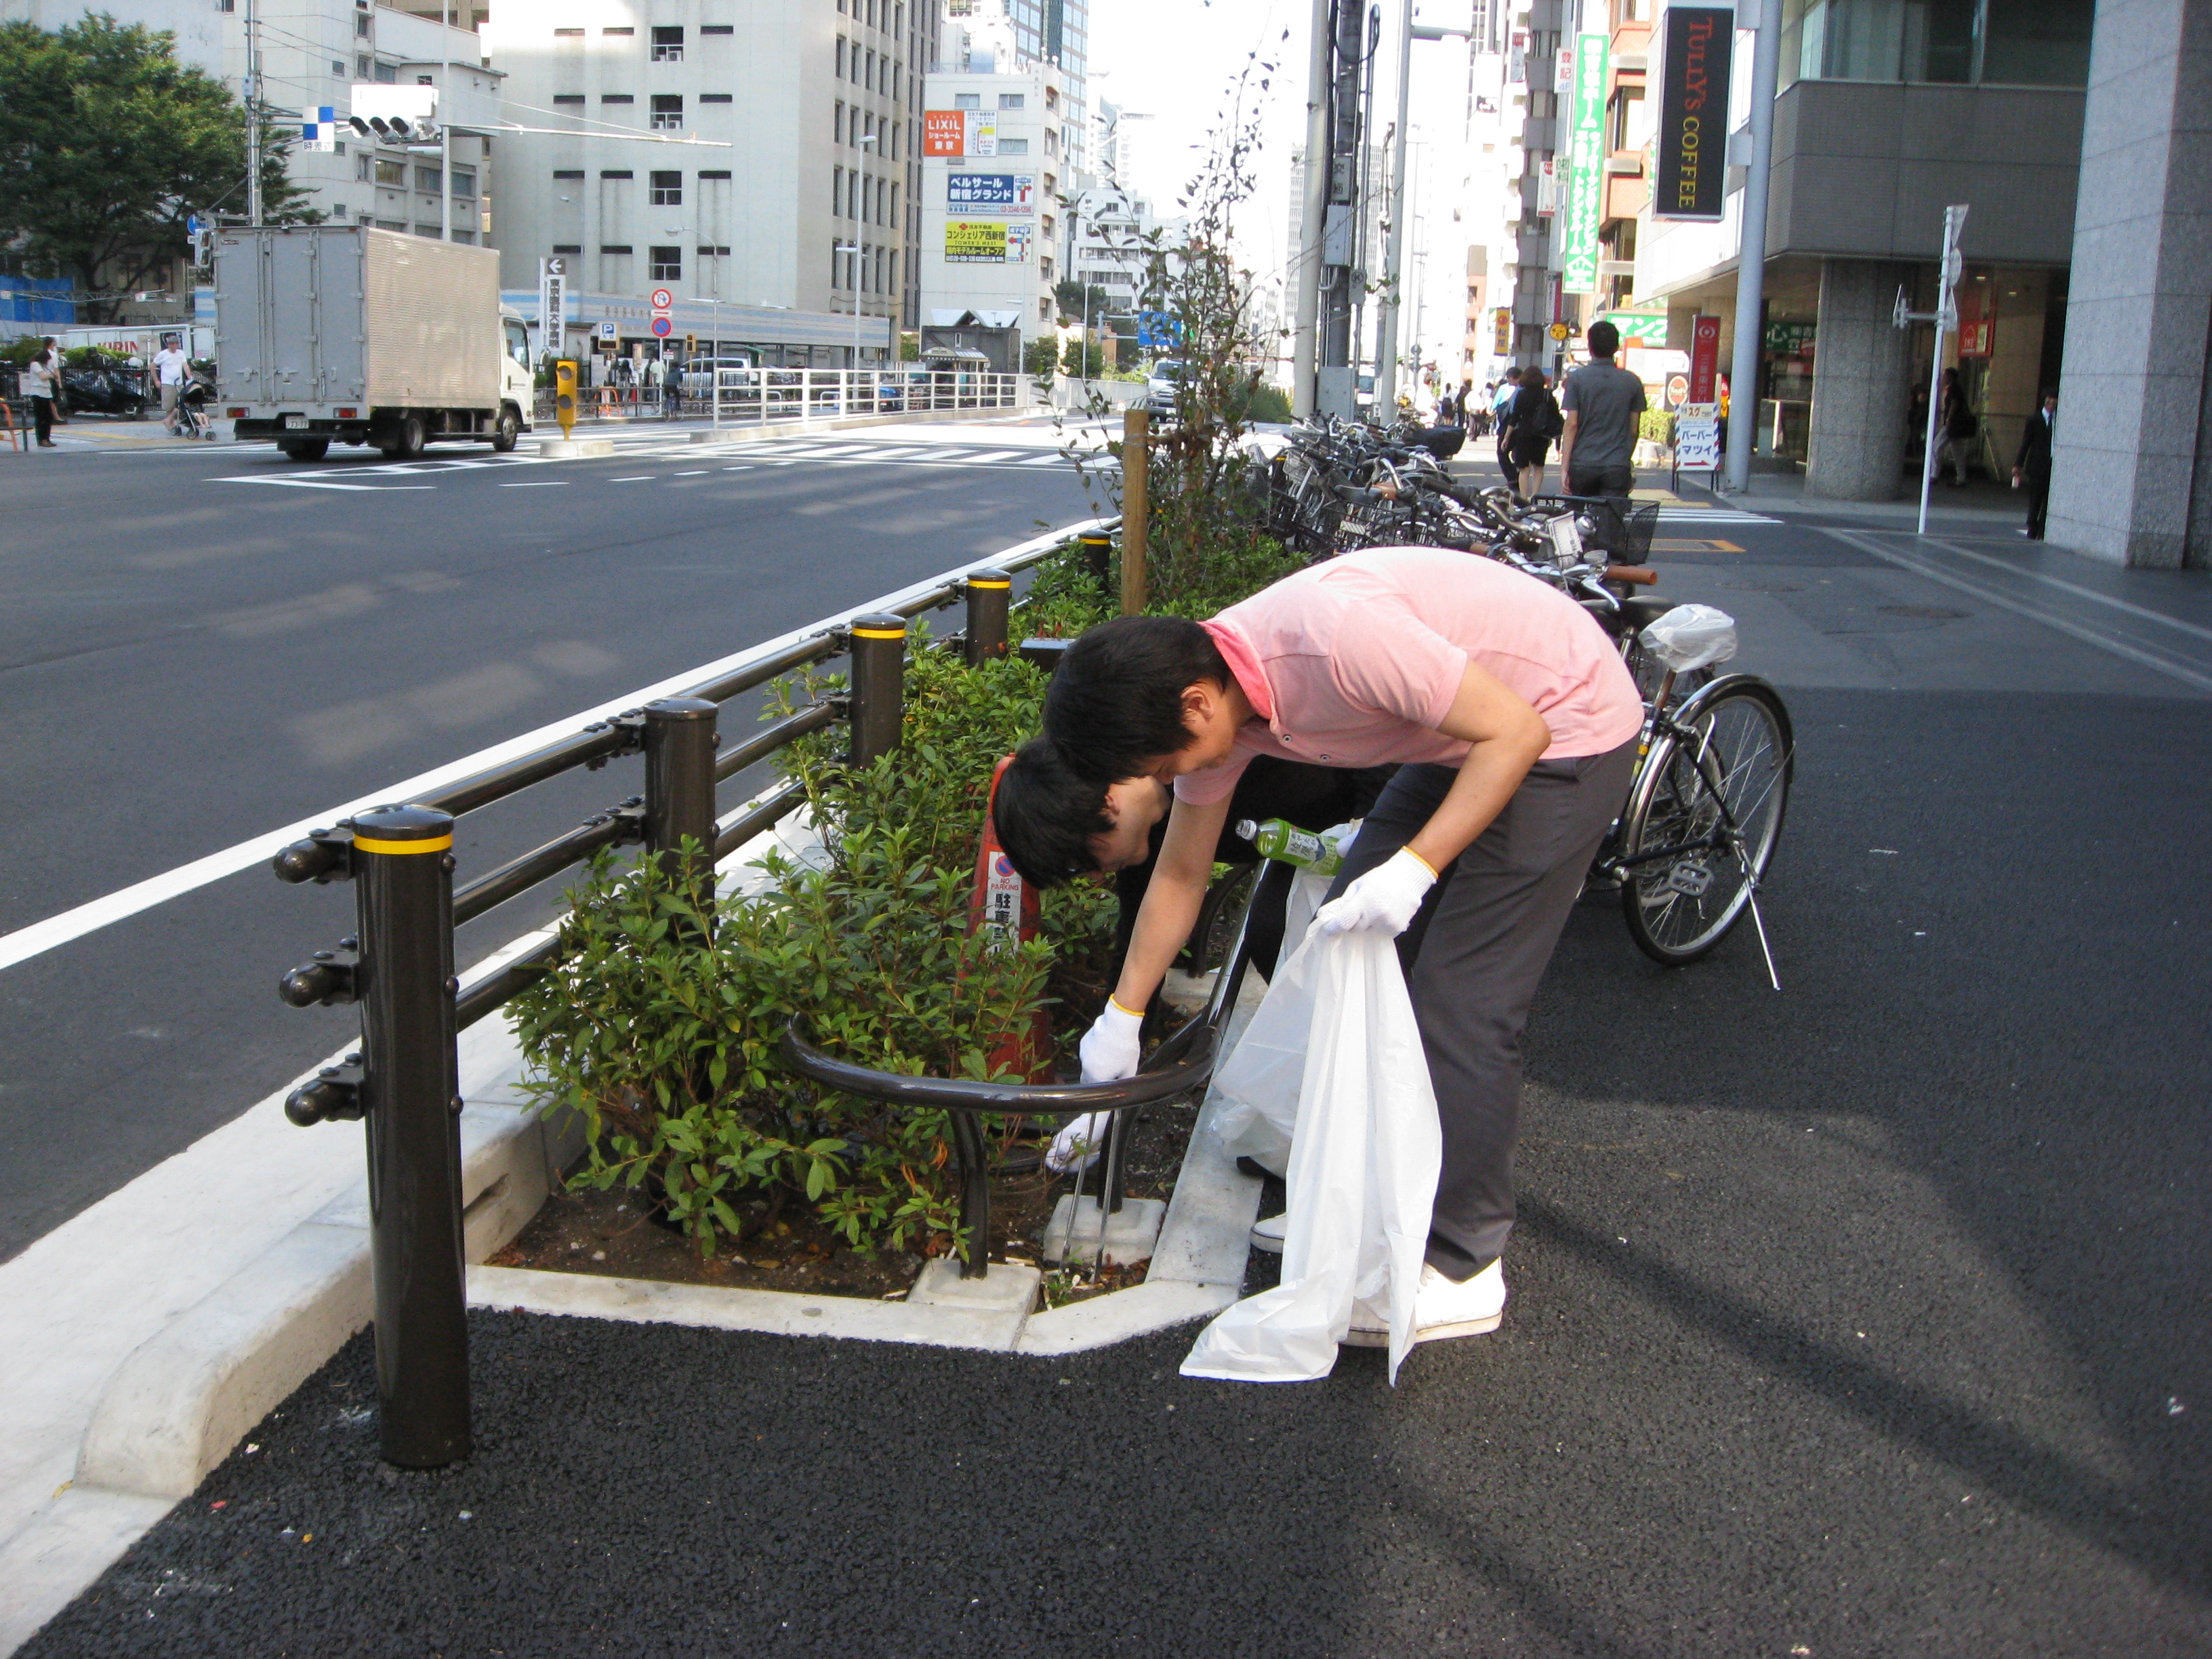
(311, 316)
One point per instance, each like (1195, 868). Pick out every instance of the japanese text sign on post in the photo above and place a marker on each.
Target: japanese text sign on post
(944, 133)
(1704, 357)
(1691, 144)
(1586, 184)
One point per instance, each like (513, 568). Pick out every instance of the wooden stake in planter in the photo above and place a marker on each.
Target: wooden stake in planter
(1136, 476)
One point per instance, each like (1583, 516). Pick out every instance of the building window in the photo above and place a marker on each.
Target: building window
(360, 69)
(667, 43)
(364, 167)
(560, 98)
(427, 179)
(387, 74)
(567, 172)
(714, 98)
(1044, 266)
(568, 247)
(338, 209)
(617, 98)
(465, 235)
(361, 25)
(967, 101)
(841, 58)
(717, 29)
(667, 264)
(337, 66)
(838, 192)
(619, 31)
(1014, 146)
(616, 173)
(1010, 100)
(721, 173)
(564, 34)
(840, 120)
(667, 111)
(391, 172)
(667, 189)
(465, 181)
(1044, 311)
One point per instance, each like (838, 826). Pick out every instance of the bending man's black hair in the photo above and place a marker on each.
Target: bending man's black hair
(1046, 813)
(1116, 702)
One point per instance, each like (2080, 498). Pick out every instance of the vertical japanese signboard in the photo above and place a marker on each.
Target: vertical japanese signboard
(1586, 183)
(1501, 344)
(1691, 144)
(1704, 357)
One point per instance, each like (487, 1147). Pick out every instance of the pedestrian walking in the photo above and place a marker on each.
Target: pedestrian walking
(1501, 412)
(41, 376)
(1602, 410)
(1960, 424)
(2030, 467)
(1532, 425)
(1513, 723)
(172, 373)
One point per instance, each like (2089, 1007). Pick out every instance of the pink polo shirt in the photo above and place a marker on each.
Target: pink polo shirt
(1353, 663)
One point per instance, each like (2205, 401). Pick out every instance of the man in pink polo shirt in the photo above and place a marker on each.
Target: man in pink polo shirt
(1515, 725)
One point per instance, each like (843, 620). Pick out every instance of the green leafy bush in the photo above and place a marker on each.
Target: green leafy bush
(1657, 425)
(664, 1035)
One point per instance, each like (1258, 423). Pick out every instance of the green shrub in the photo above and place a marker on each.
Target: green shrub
(665, 1039)
(1657, 425)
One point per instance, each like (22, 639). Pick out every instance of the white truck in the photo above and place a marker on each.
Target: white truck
(347, 334)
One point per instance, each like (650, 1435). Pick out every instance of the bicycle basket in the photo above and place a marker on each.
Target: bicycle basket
(1636, 528)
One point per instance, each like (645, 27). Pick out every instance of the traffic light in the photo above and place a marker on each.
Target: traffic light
(690, 346)
(564, 396)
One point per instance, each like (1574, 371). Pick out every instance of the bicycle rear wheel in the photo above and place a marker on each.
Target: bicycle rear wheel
(1703, 818)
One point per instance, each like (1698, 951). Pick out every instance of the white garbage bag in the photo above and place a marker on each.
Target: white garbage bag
(1333, 1061)
(1691, 636)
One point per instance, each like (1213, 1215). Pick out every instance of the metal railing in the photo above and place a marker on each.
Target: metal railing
(743, 396)
(398, 964)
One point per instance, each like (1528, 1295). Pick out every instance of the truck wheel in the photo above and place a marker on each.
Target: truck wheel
(308, 449)
(404, 442)
(506, 430)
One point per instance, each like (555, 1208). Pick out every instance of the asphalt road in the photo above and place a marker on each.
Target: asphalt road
(1863, 1318)
(203, 644)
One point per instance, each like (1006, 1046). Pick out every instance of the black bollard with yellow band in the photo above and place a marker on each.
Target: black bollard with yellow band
(878, 685)
(410, 1081)
(990, 593)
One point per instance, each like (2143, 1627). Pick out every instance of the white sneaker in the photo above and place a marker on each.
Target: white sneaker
(1444, 1309)
(1267, 1233)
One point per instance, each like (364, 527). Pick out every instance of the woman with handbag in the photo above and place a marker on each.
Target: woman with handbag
(1535, 422)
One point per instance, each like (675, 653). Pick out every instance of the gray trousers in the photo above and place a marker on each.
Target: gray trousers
(1473, 956)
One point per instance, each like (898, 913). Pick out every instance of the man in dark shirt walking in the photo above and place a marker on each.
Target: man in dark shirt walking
(1604, 407)
(1501, 412)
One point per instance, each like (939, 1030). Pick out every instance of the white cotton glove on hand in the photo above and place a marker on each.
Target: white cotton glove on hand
(1384, 899)
(1110, 1051)
(1080, 1141)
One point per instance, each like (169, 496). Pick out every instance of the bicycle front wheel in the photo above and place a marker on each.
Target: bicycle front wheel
(1703, 818)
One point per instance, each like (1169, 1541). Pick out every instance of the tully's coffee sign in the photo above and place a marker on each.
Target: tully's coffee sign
(1691, 145)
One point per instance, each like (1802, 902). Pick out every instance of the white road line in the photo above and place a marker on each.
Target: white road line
(95, 913)
(639, 477)
(2077, 590)
(316, 483)
(538, 483)
(696, 472)
(737, 468)
(977, 457)
(2188, 670)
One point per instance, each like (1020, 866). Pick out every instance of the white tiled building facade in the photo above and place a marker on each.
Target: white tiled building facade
(992, 217)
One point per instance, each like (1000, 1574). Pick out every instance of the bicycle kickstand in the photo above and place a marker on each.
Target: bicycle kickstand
(1759, 922)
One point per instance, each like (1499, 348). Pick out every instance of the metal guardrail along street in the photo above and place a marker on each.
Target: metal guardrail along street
(398, 963)
(747, 396)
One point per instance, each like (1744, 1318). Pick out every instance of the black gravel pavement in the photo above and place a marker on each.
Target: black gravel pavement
(1866, 1318)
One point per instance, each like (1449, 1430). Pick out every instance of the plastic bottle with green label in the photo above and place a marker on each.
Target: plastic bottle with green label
(1286, 843)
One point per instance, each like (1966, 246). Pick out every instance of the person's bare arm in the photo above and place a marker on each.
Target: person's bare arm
(1508, 737)
(1172, 899)
(1572, 420)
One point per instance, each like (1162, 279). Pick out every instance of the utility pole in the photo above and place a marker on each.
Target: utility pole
(445, 128)
(1389, 307)
(1336, 388)
(1751, 255)
(253, 111)
(1313, 215)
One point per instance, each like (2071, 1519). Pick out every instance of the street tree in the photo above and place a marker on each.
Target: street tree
(107, 143)
(1076, 302)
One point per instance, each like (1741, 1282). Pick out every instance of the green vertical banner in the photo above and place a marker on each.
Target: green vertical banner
(1585, 203)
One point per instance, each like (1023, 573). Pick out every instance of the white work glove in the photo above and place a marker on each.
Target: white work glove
(1081, 1140)
(1110, 1049)
(1383, 899)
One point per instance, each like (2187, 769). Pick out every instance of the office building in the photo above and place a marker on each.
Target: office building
(764, 157)
(995, 168)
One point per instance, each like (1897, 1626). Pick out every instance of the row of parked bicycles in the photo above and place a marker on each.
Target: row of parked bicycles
(1705, 810)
